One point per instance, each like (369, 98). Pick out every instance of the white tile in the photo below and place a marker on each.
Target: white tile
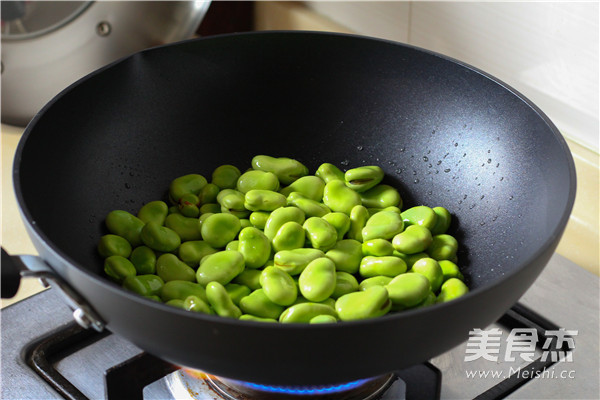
(547, 51)
(383, 19)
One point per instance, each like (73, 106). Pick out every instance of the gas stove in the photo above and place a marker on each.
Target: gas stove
(545, 347)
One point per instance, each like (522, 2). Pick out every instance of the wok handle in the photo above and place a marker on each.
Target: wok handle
(16, 267)
(11, 275)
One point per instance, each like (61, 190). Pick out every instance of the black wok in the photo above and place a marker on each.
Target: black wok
(446, 134)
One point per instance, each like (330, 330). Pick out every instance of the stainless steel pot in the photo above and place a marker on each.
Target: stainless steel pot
(47, 45)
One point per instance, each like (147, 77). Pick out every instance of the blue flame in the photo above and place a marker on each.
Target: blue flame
(306, 390)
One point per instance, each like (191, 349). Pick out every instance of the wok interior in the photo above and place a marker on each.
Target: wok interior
(445, 135)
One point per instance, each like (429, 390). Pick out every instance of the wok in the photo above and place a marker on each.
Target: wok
(446, 134)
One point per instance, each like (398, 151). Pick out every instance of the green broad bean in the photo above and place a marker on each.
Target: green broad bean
(220, 267)
(196, 304)
(329, 172)
(442, 222)
(203, 218)
(309, 186)
(410, 259)
(276, 244)
(364, 178)
(220, 302)
(212, 208)
(237, 292)
(408, 290)
(219, 229)
(452, 289)
(248, 317)
(383, 225)
(280, 217)
(286, 169)
(186, 228)
(450, 270)
(430, 269)
(279, 286)
(317, 281)
(329, 302)
(170, 268)
(178, 303)
(294, 261)
(226, 192)
(311, 208)
(258, 219)
(233, 203)
(254, 246)
(155, 211)
(145, 285)
(414, 239)
(160, 238)
(381, 196)
(143, 259)
(189, 205)
(429, 300)
(181, 290)
(370, 303)
(263, 200)
(320, 233)
(191, 252)
(258, 303)
(304, 312)
(323, 319)
(377, 247)
(209, 193)
(391, 266)
(256, 179)
(113, 245)
(226, 176)
(233, 245)
(290, 236)
(443, 247)
(375, 210)
(340, 221)
(344, 283)
(118, 268)
(249, 278)
(186, 184)
(374, 281)
(125, 224)
(358, 218)
(420, 215)
(339, 197)
(346, 254)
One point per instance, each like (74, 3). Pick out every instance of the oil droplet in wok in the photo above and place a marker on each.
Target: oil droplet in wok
(345, 162)
(359, 148)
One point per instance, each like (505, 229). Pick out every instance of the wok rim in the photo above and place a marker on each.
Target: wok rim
(33, 230)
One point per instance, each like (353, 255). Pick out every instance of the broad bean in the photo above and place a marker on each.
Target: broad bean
(220, 301)
(370, 303)
(220, 267)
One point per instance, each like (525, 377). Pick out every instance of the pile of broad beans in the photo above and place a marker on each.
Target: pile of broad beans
(274, 243)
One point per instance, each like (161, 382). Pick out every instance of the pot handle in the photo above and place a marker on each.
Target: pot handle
(16, 267)
(11, 275)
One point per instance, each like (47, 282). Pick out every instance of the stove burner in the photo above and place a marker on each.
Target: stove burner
(363, 389)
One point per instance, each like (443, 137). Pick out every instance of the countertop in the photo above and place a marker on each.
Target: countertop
(579, 243)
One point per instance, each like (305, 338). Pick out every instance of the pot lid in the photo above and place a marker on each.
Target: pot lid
(29, 19)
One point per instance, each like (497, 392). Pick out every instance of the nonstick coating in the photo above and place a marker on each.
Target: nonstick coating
(446, 135)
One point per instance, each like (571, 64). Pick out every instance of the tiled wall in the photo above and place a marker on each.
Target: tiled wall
(547, 51)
